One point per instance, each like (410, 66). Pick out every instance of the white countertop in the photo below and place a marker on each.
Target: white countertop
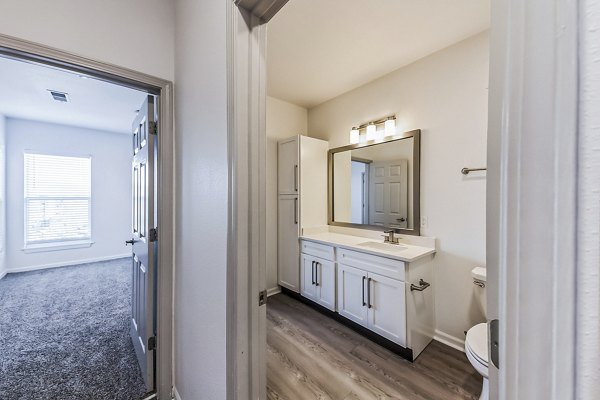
(406, 252)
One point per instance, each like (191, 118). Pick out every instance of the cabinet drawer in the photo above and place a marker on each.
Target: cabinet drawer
(318, 250)
(380, 265)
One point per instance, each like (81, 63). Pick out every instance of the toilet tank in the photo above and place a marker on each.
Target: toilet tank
(479, 282)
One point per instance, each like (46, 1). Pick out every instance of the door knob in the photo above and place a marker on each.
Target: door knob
(131, 242)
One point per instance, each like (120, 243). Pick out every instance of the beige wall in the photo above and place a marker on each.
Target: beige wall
(201, 199)
(137, 34)
(444, 95)
(283, 121)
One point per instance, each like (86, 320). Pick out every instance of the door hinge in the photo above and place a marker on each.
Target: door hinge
(153, 234)
(262, 298)
(151, 343)
(153, 127)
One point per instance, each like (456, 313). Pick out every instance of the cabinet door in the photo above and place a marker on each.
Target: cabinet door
(308, 276)
(387, 307)
(288, 179)
(288, 265)
(351, 294)
(325, 283)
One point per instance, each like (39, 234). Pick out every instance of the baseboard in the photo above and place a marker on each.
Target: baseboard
(3, 274)
(67, 263)
(449, 340)
(273, 291)
(176, 395)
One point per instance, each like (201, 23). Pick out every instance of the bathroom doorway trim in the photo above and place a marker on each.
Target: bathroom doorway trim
(48, 56)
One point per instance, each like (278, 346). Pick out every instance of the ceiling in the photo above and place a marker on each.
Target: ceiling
(92, 103)
(319, 49)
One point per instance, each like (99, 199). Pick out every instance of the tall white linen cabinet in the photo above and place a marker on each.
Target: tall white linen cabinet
(302, 189)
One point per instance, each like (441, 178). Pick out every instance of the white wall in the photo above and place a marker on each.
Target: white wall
(284, 120)
(444, 95)
(201, 199)
(138, 34)
(111, 189)
(588, 284)
(2, 196)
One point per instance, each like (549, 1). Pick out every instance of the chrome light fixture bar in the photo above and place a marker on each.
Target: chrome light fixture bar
(370, 129)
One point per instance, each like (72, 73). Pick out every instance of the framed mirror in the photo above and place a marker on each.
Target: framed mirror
(376, 185)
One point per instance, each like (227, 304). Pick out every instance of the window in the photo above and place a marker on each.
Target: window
(57, 199)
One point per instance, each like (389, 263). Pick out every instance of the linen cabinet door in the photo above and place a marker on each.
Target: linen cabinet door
(351, 294)
(386, 303)
(288, 178)
(288, 258)
(326, 283)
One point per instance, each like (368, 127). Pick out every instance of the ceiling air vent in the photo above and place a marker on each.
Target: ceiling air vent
(59, 96)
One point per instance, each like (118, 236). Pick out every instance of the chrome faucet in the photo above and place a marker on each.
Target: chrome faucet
(390, 238)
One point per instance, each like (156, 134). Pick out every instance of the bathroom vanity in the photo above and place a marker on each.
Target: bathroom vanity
(331, 250)
(382, 287)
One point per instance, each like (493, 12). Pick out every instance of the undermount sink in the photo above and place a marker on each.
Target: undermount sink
(383, 246)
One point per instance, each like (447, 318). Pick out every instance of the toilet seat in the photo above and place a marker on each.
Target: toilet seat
(476, 346)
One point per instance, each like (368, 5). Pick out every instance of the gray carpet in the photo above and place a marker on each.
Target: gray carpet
(64, 334)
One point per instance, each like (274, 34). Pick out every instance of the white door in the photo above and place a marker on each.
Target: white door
(288, 243)
(388, 194)
(325, 283)
(144, 246)
(287, 168)
(352, 294)
(386, 303)
(308, 276)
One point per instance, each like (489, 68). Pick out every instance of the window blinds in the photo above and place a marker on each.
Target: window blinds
(57, 198)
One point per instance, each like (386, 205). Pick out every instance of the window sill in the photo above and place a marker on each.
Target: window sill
(39, 248)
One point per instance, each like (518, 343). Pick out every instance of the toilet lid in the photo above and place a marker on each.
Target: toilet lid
(477, 342)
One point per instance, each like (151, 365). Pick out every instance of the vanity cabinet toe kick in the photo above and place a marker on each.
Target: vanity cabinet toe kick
(392, 299)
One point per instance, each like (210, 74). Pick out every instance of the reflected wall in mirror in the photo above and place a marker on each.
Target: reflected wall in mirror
(376, 184)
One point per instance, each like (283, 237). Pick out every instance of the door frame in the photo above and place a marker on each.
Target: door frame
(44, 55)
(532, 193)
(517, 285)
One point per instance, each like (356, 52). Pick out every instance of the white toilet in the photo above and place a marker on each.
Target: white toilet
(476, 344)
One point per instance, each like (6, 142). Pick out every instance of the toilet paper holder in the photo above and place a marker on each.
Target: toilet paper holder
(422, 286)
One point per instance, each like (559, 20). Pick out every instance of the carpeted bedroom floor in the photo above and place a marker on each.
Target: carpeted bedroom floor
(64, 334)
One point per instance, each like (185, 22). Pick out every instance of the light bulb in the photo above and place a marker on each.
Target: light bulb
(390, 127)
(354, 136)
(371, 132)
(362, 138)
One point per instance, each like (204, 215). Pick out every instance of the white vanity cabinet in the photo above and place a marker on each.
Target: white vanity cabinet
(372, 290)
(302, 196)
(368, 297)
(374, 301)
(318, 280)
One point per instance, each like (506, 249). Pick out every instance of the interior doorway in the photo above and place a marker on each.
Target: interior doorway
(86, 149)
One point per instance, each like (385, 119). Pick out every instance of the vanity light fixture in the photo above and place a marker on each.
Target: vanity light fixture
(354, 135)
(371, 132)
(390, 126)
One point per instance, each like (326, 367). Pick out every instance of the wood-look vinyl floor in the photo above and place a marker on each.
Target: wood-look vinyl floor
(311, 356)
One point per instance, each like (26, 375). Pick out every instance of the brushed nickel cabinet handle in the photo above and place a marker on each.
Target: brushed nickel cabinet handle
(363, 291)
(296, 178)
(369, 293)
(296, 211)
